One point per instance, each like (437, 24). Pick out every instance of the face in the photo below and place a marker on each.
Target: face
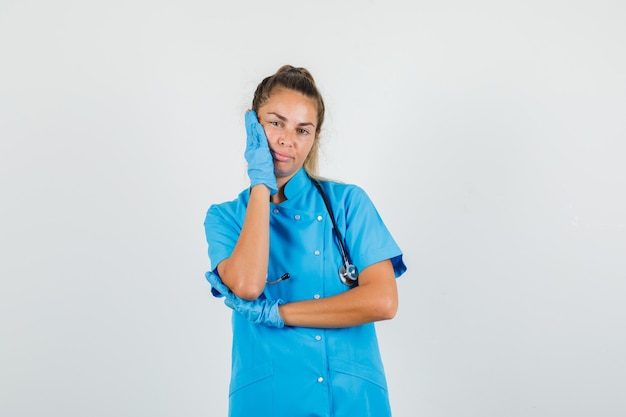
(290, 122)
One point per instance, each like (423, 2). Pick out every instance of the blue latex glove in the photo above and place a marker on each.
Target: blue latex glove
(260, 311)
(260, 162)
(218, 289)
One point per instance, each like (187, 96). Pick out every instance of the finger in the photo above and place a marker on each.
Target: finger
(260, 129)
(216, 282)
(252, 124)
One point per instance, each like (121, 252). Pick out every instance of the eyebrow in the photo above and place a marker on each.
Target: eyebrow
(284, 119)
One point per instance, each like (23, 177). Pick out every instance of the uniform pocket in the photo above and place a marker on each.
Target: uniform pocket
(251, 390)
(358, 390)
(249, 376)
(359, 371)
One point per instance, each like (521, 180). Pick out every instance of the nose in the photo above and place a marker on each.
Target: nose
(286, 139)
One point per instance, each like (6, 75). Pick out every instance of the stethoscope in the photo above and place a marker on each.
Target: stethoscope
(348, 273)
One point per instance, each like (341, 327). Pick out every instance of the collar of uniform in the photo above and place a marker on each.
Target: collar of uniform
(297, 184)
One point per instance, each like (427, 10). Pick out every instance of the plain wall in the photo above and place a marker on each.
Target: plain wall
(490, 135)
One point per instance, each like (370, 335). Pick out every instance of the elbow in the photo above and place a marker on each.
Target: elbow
(247, 291)
(387, 308)
(244, 283)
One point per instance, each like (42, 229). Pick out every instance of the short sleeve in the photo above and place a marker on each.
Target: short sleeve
(368, 240)
(222, 226)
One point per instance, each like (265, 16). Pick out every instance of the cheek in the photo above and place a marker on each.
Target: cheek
(305, 148)
(269, 133)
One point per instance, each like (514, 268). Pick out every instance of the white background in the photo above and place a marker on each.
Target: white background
(490, 135)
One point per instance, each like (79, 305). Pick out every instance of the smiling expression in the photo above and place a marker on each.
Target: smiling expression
(289, 119)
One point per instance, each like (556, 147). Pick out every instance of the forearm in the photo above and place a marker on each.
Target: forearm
(375, 299)
(244, 272)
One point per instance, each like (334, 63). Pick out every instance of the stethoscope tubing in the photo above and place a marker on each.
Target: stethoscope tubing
(348, 273)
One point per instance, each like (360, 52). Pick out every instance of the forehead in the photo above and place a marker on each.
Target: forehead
(290, 102)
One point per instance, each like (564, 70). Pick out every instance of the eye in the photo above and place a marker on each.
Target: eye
(303, 131)
(275, 123)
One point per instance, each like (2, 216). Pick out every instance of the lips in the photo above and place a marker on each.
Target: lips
(280, 157)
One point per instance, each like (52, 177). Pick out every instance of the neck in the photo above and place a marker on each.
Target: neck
(279, 197)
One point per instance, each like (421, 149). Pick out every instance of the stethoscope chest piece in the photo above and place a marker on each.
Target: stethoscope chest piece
(348, 274)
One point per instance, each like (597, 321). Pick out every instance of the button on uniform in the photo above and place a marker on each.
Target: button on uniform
(320, 379)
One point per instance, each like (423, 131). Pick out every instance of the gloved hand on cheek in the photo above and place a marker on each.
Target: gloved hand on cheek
(260, 161)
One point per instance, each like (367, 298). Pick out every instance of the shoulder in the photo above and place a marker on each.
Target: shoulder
(345, 193)
(228, 210)
(341, 188)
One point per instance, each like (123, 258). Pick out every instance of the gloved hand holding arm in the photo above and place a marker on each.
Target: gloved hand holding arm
(260, 311)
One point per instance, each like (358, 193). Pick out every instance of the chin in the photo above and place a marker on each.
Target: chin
(281, 173)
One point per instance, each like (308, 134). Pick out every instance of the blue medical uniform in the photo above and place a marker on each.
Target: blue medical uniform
(297, 371)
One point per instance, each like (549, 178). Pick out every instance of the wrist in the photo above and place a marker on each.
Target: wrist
(260, 189)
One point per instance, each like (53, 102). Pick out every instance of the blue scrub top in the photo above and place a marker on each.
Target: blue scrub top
(297, 371)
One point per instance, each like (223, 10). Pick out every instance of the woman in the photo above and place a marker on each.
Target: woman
(304, 342)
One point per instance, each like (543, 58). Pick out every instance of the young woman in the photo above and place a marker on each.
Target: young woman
(307, 265)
